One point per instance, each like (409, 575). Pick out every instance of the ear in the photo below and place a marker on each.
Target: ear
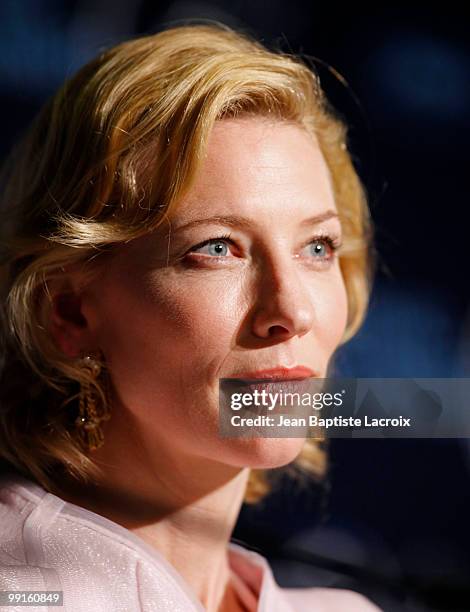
(68, 324)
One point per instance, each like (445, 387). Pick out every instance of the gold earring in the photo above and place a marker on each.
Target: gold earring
(92, 412)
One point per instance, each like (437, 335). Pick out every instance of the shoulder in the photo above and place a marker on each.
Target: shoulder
(48, 544)
(328, 600)
(38, 528)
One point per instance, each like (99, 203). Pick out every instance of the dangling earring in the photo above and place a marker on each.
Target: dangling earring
(92, 412)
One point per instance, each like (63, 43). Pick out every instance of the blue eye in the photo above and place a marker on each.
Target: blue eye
(217, 247)
(322, 248)
(318, 248)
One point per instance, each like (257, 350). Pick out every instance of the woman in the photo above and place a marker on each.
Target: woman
(183, 210)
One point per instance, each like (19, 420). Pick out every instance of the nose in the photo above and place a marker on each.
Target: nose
(284, 306)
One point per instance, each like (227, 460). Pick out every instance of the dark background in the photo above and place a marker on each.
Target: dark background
(392, 518)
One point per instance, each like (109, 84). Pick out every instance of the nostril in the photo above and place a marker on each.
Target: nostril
(276, 330)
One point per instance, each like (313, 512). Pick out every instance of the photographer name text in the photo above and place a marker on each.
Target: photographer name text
(315, 421)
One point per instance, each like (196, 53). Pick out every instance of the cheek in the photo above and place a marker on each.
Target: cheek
(156, 330)
(201, 317)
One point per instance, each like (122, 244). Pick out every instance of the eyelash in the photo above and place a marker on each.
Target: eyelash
(333, 244)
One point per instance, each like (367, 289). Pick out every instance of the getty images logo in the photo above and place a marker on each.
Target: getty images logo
(270, 399)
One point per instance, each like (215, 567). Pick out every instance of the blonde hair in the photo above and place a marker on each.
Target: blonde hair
(79, 183)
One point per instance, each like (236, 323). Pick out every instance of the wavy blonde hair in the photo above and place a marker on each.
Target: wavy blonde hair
(79, 183)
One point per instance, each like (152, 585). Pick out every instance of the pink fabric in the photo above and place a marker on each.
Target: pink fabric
(47, 543)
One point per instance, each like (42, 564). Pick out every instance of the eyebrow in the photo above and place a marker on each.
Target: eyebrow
(245, 222)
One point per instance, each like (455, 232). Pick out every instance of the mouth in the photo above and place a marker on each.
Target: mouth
(278, 374)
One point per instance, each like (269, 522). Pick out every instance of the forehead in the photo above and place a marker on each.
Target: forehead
(256, 166)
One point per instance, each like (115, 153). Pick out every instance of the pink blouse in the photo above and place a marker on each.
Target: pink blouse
(47, 543)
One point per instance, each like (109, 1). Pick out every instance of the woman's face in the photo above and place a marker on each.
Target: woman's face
(244, 279)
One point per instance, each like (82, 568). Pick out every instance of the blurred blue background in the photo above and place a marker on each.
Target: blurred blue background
(392, 518)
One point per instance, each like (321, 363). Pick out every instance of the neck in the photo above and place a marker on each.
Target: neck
(194, 539)
(183, 506)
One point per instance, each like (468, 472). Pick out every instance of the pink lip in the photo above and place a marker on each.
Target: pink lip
(280, 373)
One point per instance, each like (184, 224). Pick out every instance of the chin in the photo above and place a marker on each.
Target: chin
(264, 453)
